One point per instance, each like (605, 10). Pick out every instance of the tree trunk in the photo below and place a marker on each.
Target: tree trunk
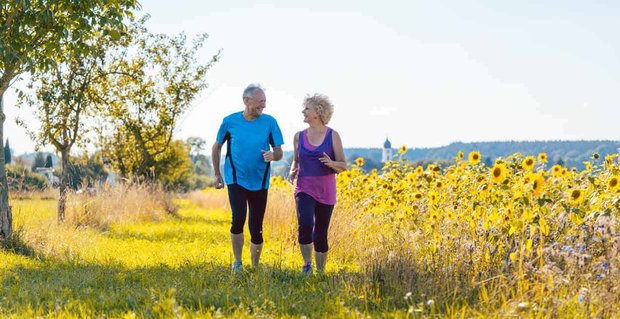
(64, 183)
(6, 219)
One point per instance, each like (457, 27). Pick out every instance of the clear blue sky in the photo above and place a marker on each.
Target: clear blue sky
(423, 73)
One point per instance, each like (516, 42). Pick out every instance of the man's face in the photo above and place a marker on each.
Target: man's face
(255, 104)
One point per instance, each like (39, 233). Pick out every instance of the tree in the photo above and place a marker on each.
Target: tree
(7, 152)
(174, 168)
(48, 161)
(197, 145)
(39, 161)
(87, 171)
(35, 35)
(160, 78)
(62, 97)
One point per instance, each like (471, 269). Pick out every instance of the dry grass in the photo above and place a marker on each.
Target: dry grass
(126, 203)
(48, 193)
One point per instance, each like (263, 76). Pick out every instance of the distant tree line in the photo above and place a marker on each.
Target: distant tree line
(566, 153)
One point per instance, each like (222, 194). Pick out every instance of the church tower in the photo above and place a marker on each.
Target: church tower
(387, 151)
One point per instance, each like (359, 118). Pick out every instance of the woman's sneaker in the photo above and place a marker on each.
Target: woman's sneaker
(237, 267)
(307, 269)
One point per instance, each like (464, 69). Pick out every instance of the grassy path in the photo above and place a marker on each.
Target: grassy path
(176, 267)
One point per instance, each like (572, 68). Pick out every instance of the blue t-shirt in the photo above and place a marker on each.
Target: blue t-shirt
(244, 164)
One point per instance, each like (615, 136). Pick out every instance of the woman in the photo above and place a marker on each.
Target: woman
(318, 156)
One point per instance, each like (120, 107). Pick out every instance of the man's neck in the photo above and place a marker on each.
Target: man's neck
(249, 116)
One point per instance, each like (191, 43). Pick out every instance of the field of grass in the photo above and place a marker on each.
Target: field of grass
(518, 239)
(177, 266)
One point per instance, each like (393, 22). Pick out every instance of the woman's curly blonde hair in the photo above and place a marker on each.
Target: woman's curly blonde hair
(321, 104)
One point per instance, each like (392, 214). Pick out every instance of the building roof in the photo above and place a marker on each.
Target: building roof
(387, 143)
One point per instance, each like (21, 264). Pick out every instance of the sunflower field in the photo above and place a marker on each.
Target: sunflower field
(517, 236)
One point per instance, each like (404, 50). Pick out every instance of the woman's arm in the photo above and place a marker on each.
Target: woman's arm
(339, 163)
(292, 174)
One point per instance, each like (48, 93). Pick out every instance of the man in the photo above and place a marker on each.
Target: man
(248, 135)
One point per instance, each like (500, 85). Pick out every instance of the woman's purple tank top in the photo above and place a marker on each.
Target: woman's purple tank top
(315, 178)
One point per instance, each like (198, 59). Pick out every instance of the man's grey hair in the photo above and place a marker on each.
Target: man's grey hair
(247, 93)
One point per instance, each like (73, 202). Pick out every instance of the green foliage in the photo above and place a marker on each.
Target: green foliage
(153, 81)
(87, 171)
(173, 168)
(7, 152)
(35, 35)
(48, 161)
(202, 164)
(39, 161)
(22, 179)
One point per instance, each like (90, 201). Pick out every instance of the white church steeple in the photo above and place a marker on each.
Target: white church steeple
(387, 151)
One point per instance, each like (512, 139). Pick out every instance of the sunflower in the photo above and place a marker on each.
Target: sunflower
(528, 163)
(498, 173)
(474, 157)
(538, 185)
(419, 170)
(359, 161)
(417, 196)
(576, 196)
(613, 183)
(439, 185)
(556, 170)
(391, 203)
(402, 150)
(542, 157)
(459, 155)
(596, 156)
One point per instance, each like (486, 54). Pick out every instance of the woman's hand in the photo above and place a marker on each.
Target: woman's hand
(325, 159)
(292, 174)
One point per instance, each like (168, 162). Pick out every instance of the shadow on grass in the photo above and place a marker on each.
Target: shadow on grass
(163, 291)
(16, 245)
(207, 228)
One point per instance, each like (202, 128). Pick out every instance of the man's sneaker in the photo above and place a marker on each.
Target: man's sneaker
(307, 269)
(237, 267)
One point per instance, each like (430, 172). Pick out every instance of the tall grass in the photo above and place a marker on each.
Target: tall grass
(513, 240)
(124, 204)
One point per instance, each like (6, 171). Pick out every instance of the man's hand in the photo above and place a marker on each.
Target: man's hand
(267, 156)
(219, 182)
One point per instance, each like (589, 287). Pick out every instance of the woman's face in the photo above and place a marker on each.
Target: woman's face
(310, 114)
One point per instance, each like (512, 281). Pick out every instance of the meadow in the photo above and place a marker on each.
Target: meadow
(521, 238)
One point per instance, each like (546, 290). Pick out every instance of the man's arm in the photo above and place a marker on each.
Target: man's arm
(277, 153)
(216, 153)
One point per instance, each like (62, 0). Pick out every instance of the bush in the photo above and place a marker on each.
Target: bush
(21, 179)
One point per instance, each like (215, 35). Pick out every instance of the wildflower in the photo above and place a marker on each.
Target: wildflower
(498, 173)
(556, 170)
(542, 157)
(528, 163)
(538, 185)
(613, 184)
(359, 161)
(419, 170)
(474, 157)
(576, 197)
(402, 150)
(609, 159)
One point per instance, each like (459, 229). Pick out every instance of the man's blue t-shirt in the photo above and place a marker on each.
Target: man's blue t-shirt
(244, 164)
